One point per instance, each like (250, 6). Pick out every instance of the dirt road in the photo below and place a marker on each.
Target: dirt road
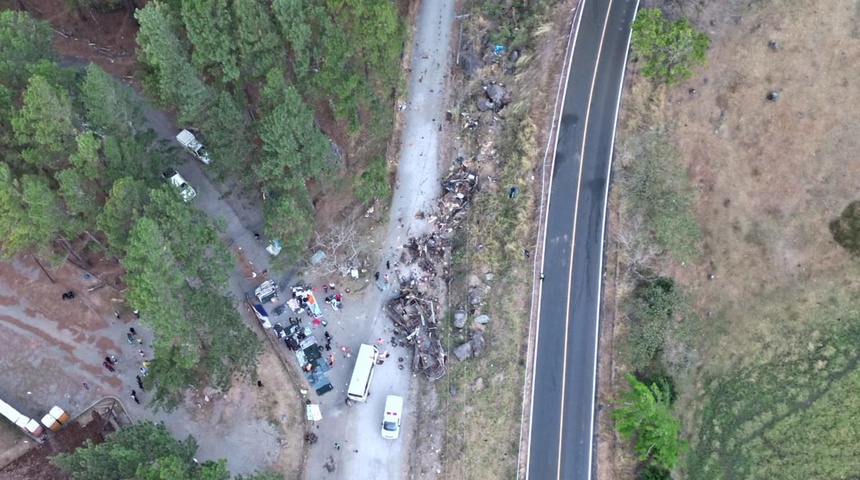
(364, 453)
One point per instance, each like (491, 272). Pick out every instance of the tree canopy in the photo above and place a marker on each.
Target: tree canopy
(144, 451)
(670, 49)
(644, 412)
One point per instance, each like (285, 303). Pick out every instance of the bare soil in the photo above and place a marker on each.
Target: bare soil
(104, 38)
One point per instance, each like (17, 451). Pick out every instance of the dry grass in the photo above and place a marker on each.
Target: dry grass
(770, 176)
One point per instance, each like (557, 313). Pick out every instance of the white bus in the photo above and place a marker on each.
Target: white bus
(359, 385)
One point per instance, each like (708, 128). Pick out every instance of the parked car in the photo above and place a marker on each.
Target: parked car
(190, 142)
(391, 418)
(177, 181)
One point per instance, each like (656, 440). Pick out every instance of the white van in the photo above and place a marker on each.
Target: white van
(359, 385)
(391, 417)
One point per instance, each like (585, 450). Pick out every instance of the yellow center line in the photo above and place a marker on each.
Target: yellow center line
(573, 238)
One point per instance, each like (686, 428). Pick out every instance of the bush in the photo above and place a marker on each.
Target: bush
(653, 472)
(846, 228)
(663, 381)
(373, 183)
(670, 49)
(656, 307)
(644, 415)
(658, 189)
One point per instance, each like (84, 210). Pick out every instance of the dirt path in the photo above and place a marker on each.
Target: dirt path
(357, 428)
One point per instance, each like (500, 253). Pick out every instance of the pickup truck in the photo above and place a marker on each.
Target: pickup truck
(187, 140)
(177, 181)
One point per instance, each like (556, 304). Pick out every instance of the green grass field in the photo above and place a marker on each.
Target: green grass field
(790, 410)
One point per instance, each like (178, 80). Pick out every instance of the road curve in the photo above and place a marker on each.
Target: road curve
(561, 429)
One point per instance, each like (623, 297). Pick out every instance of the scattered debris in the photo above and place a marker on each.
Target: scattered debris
(470, 63)
(416, 317)
(494, 97)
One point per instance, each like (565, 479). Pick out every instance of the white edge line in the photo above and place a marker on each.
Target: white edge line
(602, 240)
(571, 44)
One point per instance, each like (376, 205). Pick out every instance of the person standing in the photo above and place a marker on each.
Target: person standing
(137, 314)
(116, 314)
(139, 382)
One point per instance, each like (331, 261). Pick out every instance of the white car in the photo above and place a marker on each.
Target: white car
(391, 418)
(177, 181)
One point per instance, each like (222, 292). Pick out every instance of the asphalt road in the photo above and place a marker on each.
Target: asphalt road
(562, 416)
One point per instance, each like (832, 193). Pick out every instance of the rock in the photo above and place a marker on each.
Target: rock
(477, 343)
(470, 63)
(772, 96)
(478, 384)
(453, 391)
(463, 352)
(484, 104)
(474, 300)
(496, 93)
(489, 276)
(459, 319)
(483, 319)
(514, 56)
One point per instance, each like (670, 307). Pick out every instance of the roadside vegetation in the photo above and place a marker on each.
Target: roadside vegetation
(266, 115)
(145, 450)
(483, 396)
(670, 49)
(644, 414)
(656, 231)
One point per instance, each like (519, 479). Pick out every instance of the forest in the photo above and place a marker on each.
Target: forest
(79, 162)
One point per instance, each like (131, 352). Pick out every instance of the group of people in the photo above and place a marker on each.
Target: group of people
(132, 337)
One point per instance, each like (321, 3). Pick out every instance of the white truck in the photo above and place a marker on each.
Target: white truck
(177, 181)
(187, 140)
